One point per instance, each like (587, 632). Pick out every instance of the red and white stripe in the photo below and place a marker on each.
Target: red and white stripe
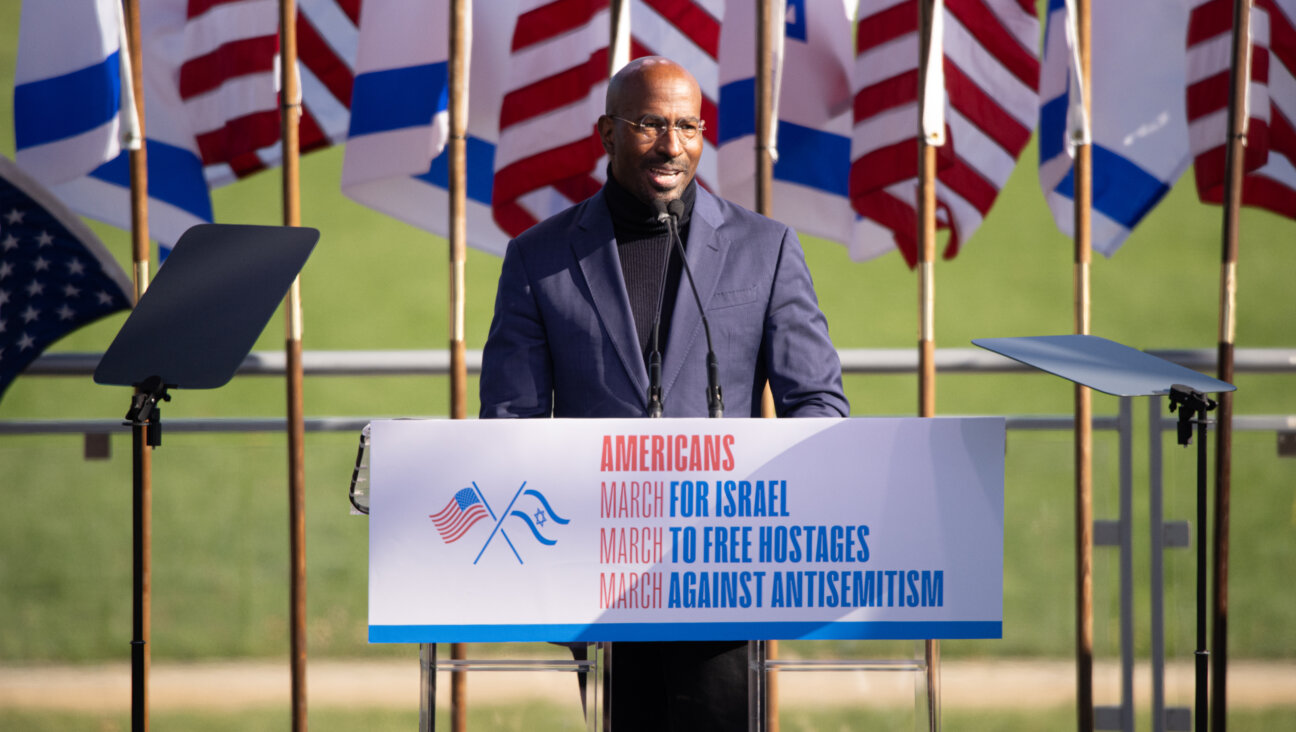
(228, 79)
(452, 522)
(549, 153)
(1270, 155)
(687, 32)
(991, 76)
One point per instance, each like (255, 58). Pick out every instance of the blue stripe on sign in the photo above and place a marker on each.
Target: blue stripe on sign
(1122, 191)
(813, 158)
(737, 110)
(1052, 128)
(175, 177)
(395, 99)
(684, 631)
(481, 170)
(64, 106)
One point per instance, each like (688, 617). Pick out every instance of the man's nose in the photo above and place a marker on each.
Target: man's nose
(671, 142)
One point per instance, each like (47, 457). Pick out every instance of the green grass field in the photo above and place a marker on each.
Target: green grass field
(220, 509)
(549, 718)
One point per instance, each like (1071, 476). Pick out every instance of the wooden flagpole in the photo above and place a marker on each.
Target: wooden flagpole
(1083, 397)
(926, 230)
(769, 15)
(618, 57)
(460, 44)
(765, 28)
(142, 500)
(290, 116)
(927, 291)
(1238, 81)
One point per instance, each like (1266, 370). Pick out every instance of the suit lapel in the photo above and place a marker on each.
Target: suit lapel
(706, 252)
(596, 254)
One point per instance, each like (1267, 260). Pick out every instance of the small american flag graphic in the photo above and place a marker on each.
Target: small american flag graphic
(459, 515)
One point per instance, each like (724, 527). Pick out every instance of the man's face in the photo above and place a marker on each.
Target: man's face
(654, 167)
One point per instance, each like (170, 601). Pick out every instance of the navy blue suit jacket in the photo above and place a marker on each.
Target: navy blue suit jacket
(563, 343)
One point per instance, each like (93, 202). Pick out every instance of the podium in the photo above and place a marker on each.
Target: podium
(586, 531)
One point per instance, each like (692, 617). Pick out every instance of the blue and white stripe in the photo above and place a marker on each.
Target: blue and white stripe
(68, 118)
(1139, 127)
(67, 89)
(394, 160)
(813, 142)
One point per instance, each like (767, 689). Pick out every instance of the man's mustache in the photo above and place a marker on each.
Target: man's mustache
(679, 165)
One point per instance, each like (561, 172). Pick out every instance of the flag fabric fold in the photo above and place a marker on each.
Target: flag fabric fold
(67, 116)
(211, 99)
(1269, 161)
(991, 71)
(55, 274)
(687, 32)
(549, 154)
(813, 139)
(395, 161)
(1139, 129)
(229, 79)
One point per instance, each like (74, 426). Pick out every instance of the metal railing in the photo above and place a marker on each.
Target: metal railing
(437, 363)
(1115, 533)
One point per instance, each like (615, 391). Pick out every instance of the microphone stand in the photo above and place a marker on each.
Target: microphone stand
(715, 400)
(654, 356)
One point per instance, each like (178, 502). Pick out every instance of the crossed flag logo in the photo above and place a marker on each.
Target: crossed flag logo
(469, 505)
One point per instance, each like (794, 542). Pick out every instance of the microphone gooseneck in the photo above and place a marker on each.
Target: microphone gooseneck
(654, 355)
(715, 400)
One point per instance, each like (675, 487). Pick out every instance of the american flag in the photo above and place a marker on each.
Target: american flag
(228, 80)
(687, 32)
(55, 274)
(549, 150)
(1270, 153)
(991, 75)
(459, 515)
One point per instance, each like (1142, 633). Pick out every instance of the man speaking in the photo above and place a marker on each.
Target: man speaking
(597, 315)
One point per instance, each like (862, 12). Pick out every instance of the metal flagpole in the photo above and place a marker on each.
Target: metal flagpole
(290, 116)
(1083, 396)
(460, 43)
(142, 461)
(1239, 77)
(931, 108)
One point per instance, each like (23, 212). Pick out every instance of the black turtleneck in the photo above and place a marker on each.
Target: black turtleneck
(643, 243)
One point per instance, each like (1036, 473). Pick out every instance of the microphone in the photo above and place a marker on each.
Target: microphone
(654, 356)
(715, 401)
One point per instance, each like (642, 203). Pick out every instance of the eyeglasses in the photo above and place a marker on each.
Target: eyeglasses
(652, 127)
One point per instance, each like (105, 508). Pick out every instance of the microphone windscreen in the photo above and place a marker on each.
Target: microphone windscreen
(659, 206)
(676, 208)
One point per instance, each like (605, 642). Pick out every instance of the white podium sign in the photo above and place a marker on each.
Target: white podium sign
(685, 529)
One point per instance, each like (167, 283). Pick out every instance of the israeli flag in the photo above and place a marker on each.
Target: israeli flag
(1139, 124)
(395, 161)
(69, 114)
(814, 98)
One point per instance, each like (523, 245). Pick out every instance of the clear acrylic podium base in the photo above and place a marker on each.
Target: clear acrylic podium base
(788, 693)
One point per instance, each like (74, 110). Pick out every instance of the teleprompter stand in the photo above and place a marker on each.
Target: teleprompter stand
(1122, 371)
(191, 329)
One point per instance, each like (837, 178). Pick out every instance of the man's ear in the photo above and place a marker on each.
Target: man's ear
(606, 126)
